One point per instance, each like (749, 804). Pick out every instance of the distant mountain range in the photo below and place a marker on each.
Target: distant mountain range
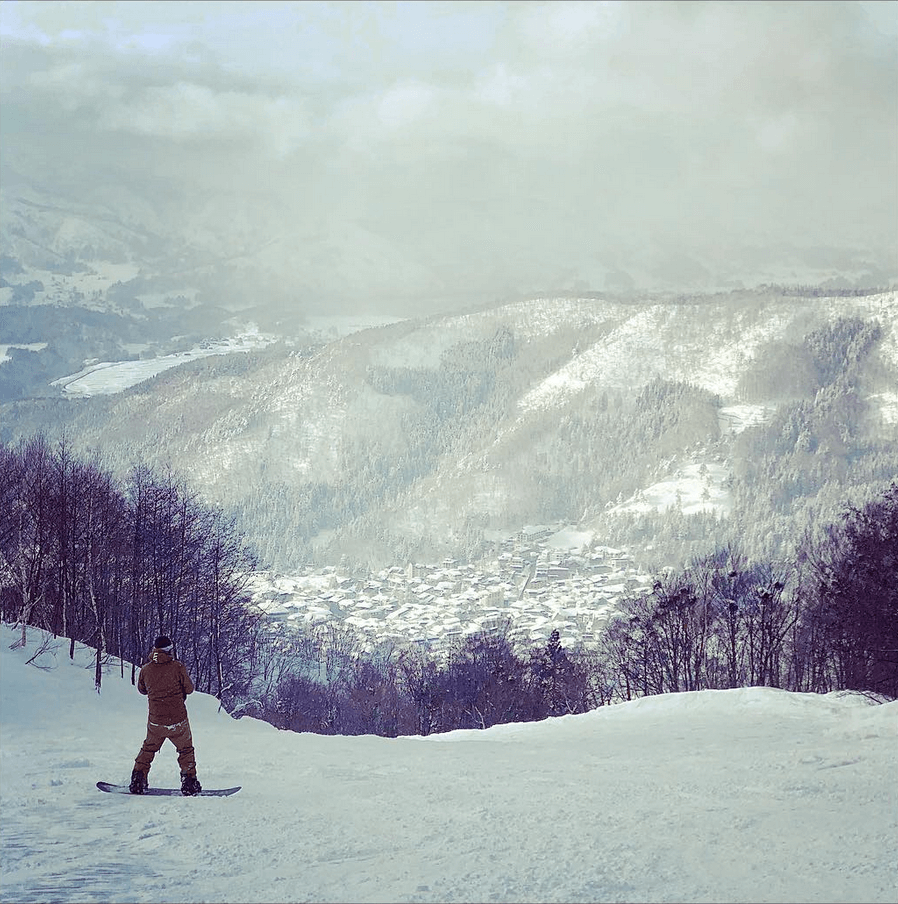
(670, 424)
(667, 421)
(128, 244)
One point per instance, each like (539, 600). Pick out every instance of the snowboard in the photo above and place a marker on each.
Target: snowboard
(167, 792)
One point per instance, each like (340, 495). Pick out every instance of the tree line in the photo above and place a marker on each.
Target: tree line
(826, 621)
(485, 679)
(113, 563)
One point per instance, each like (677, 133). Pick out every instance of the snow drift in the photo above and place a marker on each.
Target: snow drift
(753, 794)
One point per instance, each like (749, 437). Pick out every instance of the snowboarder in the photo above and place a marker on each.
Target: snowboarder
(166, 683)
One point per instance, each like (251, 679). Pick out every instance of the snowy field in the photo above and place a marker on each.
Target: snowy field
(694, 488)
(109, 377)
(747, 795)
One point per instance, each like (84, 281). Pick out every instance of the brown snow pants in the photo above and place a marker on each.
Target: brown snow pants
(179, 734)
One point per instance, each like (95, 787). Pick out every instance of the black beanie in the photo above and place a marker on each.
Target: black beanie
(162, 642)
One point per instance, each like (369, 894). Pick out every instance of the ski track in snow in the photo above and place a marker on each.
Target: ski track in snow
(747, 795)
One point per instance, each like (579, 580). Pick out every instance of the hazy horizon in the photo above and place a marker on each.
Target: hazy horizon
(426, 153)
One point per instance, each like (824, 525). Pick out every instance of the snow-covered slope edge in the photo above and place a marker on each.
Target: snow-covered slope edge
(745, 795)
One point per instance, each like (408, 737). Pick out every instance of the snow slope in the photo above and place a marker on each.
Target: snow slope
(745, 795)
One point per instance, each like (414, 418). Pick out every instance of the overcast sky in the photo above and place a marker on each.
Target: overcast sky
(496, 146)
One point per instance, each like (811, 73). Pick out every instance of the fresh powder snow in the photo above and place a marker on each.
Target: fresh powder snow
(754, 794)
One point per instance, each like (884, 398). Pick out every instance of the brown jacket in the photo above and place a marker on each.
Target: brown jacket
(165, 681)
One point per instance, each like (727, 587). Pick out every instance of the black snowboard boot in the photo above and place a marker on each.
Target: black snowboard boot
(190, 785)
(139, 782)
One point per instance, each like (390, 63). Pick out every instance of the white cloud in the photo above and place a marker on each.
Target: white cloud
(402, 104)
(609, 126)
(778, 133)
(189, 112)
(75, 85)
(565, 28)
(501, 87)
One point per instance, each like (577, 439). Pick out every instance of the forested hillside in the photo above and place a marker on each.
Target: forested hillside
(112, 564)
(108, 562)
(432, 437)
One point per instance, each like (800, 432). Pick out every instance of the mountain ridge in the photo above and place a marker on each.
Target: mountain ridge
(415, 439)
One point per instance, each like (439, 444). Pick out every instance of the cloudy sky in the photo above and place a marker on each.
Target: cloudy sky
(483, 147)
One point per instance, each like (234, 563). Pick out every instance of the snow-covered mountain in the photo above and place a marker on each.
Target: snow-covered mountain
(72, 248)
(253, 249)
(430, 437)
(754, 794)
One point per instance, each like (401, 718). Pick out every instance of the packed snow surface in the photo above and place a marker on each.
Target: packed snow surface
(744, 795)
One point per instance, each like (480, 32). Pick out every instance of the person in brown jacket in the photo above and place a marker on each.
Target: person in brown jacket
(166, 684)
